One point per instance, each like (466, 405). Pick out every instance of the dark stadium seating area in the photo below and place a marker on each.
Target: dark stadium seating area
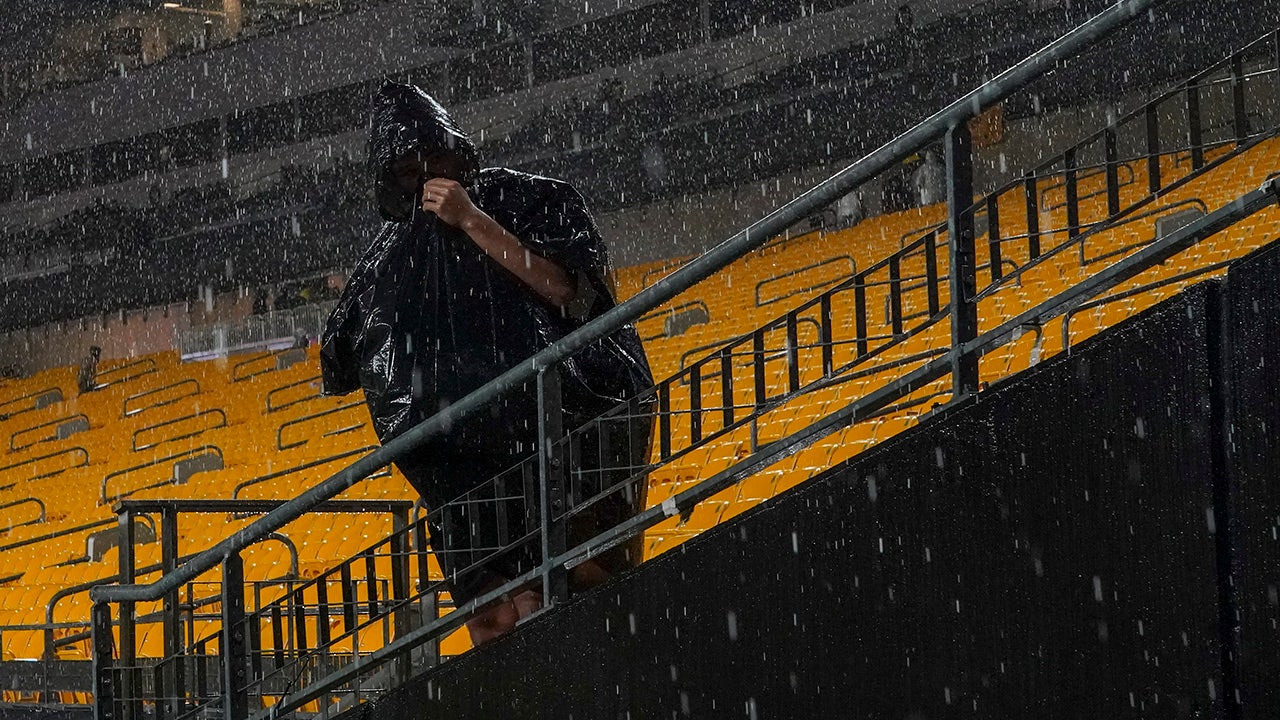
(808, 113)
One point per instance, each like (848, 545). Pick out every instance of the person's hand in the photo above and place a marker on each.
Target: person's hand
(449, 201)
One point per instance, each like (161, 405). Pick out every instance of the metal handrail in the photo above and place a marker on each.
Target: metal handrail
(667, 313)
(1162, 210)
(193, 452)
(272, 408)
(1115, 221)
(51, 423)
(149, 362)
(24, 501)
(57, 534)
(853, 269)
(648, 299)
(292, 548)
(28, 396)
(124, 408)
(311, 416)
(198, 414)
(235, 493)
(662, 267)
(1047, 168)
(1134, 292)
(84, 455)
(701, 353)
(235, 369)
(66, 592)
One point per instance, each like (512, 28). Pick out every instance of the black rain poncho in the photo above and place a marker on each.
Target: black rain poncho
(426, 317)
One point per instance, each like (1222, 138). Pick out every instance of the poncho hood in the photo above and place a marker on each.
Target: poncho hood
(405, 120)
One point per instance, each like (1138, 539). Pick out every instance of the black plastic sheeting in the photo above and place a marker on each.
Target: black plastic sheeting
(1047, 551)
(428, 317)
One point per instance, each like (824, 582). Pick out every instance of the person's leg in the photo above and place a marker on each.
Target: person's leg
(527, 602)
(499, 619)
(493, 623)
(588, 575)
(624, 446)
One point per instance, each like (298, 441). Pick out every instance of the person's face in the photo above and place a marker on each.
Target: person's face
(411, 171)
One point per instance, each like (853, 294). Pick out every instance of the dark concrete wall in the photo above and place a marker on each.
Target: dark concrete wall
(1252, 460)
(1045, 551)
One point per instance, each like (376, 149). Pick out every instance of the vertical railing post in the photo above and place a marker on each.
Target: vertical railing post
(793, 353)
(695, 404)
(826, 335)
(235, 660)
(994, 251)
(104, 681)
(1153, 150)
(726, 385)
(1113, 172)
(664, 420)
(1032, 193)
(428, 654)
(1195, 126)
(131, 689)
(399, 549)
(555, 579)
(895, 295)
(963, 271)
(1071, 188)
(860, 314)
(931, 273)
(757, 367)
(1240, 117)
(176, 680)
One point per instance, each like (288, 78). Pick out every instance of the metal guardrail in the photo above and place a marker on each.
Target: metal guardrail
(35, 397)
(104, 498)
(81, 455)
(235, 492)
(57, 534)
(267, 330)
(258, 366)
(24, 501)
(127, 411)
(117, 374)
(280, 443)
(1136, 292)
(272, 407)
(13, 446)
(215, 412)
(1085, 260)
(669, 315)
(853, 268)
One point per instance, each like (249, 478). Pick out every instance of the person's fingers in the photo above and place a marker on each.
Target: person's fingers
(443, 185)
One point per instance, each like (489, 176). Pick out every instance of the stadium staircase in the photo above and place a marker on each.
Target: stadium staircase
(798, 354)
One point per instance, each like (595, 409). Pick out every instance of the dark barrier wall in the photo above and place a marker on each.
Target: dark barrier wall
(1044, 552)
(1252, 309)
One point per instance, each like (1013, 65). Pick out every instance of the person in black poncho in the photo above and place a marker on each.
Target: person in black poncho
(474, 271)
